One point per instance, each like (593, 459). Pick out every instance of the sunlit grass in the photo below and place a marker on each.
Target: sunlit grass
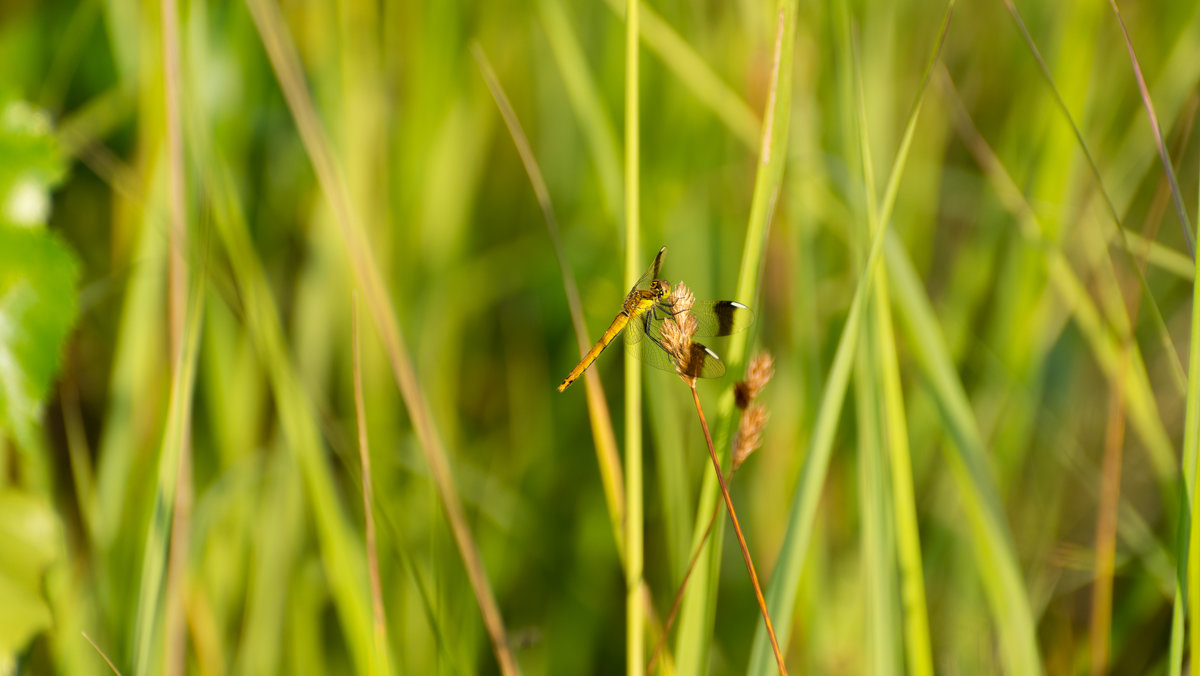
(965, 242)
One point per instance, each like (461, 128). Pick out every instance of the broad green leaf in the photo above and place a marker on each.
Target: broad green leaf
(37, 270)
(37, 308)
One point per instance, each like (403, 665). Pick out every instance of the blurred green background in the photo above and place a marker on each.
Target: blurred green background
(1017, 368)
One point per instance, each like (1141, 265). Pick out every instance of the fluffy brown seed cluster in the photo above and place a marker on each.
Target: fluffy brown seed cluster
(677, 334)
(754, 416)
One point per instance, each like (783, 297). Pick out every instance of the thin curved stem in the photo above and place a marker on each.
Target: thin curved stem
(737, 528)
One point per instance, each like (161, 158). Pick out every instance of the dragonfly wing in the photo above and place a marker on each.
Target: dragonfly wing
(721, 317)
(634, 330)
(709, 365)
(704, 362)
(651, 273)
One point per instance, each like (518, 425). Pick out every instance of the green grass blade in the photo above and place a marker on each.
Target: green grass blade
(877, 537)
(918, 649)
(1188, 590)
(149, 622)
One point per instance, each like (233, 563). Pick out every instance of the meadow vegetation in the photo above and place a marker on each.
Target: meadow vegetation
(286, 290)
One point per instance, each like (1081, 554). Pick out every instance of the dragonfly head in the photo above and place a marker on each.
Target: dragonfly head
(661, 289)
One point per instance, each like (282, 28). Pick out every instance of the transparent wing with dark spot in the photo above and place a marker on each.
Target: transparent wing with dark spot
(721, 317)
(704, 362)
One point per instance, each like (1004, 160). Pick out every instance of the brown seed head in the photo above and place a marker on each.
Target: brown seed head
(749, 435)
(758, 374)
(677, 334)
(754, 416)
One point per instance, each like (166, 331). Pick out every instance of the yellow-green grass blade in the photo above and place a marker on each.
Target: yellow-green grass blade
(1115, 306)
(879, 591)
(781, 591)
(878, 552)
(886, 451)
(635, 619)
(149, 620)
(918, 648)
(1188, 591)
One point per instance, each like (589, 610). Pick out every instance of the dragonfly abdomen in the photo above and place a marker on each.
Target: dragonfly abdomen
(613, 329)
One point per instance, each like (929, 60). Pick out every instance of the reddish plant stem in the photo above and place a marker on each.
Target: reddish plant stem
(762, 604)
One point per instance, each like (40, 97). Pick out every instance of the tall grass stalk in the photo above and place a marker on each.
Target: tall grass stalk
(1187, 593)
(1107, 512)
(175, 639)
(112, 667)
(691, 69)
(149, 621)
(1067, 284)
(635, 650)
(340, 553)
(381, 660)
(587, 107)
(879, 555)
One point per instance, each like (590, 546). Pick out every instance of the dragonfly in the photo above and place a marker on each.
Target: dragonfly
(646, 305)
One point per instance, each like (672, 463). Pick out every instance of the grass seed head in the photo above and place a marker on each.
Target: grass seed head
(677, 334)
(754, 416)
(749, 434)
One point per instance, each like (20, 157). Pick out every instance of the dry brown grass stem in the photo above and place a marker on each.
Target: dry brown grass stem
(175, 653)
(1114, 441)
(364, 456)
